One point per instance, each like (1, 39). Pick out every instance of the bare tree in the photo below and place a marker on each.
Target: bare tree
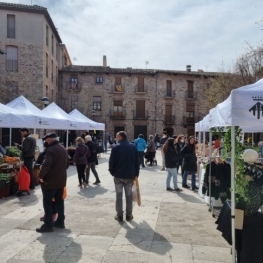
(247, 69)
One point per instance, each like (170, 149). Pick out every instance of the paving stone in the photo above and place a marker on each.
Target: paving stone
(168, 227)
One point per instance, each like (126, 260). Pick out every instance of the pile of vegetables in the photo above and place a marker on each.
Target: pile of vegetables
(13, 152)
(9, 159)
(4, 180)
(2, 160)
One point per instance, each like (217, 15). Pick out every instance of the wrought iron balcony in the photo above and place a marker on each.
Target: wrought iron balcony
(190, 120)
(190, 95)
(141, 89)
(169, 119)
(118, 115)
(140, 115)
(75, 87)
(169, 95)
(117, 88)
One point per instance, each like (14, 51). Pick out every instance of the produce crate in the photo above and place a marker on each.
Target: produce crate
(4, 192)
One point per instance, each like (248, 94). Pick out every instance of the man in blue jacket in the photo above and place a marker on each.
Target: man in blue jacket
(124, 166)
(141, 146)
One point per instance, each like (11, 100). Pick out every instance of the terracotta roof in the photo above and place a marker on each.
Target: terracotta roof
(107, 70)
(32, 9)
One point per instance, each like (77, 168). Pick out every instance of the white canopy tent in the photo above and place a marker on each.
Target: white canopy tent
(12, 118)
(77, 115)
(42, 120)
(242, 108)
(55, 111)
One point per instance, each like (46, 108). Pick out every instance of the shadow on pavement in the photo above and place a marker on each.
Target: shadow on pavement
(188, 197)
(60, 248)
(142, 235)
(91, 192)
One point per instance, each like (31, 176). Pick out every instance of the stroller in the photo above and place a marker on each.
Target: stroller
(147, 160)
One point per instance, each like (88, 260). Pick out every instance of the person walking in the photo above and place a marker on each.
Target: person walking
(105, 141)
(162, 142)
(28, 148)
(141, 145)
(189, 162)
(172, 158)
(151, 149)
(92, 160)
(157, 141)
(80, 159)
(179, 144)
(53, 176)
(124, 165)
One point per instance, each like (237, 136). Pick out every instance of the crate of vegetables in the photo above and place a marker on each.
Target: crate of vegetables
(4, 184)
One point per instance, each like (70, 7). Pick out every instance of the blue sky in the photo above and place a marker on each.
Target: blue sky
(170, 34)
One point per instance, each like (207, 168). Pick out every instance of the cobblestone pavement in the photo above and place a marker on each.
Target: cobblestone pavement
(168, 227)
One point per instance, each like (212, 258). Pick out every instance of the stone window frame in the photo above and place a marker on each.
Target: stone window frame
(11, 58)
(96, 105)
(11, 26)
(99, 79)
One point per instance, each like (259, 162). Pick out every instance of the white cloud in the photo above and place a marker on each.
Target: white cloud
(169, 34)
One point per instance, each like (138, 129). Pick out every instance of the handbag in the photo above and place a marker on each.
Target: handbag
(82, 158)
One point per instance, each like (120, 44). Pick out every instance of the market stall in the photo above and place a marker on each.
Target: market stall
(242, 108)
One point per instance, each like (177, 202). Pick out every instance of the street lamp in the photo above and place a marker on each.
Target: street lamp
(46, 101)
(93, 112)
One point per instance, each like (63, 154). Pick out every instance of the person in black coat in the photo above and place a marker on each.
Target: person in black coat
(189, 162)
(92, 160)
(179, 145)
(172, 157)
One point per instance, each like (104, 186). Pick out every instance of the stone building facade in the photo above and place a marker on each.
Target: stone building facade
(136, 100)
(34, 53)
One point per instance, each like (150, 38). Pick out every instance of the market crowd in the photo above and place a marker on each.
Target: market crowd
(125, 161)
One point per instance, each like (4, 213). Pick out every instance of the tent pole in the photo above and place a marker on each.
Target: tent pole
(203, 143)
(10, 137)
(67, 140)
(233, 205)
(210, 181)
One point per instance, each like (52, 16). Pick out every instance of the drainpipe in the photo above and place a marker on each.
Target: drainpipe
(155, 104)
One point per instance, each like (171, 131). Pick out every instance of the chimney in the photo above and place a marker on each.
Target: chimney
(188, 68)
(104, 61)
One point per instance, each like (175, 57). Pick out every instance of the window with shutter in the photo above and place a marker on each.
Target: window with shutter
(190, 89)
(140, 108)
(46, 65)
(168, 88)
(117, 108)
(140, 87)
(11, 32)
(11, 58)
(47, 33)
(118, 86)
(168, 113)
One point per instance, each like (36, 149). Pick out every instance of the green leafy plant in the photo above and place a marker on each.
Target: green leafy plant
(241, 184)
(13, 152)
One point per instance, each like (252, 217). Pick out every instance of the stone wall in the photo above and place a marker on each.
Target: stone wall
(155, 99)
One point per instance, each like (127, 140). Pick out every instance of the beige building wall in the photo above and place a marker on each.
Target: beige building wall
(39, 55)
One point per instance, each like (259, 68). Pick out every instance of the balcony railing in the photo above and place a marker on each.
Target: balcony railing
(169, 119)
(118, 115)
(140, 89)
(117, 88)
(75, 87)
(140, 115)
(190, 120)
(190, 95)
(169, 95)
